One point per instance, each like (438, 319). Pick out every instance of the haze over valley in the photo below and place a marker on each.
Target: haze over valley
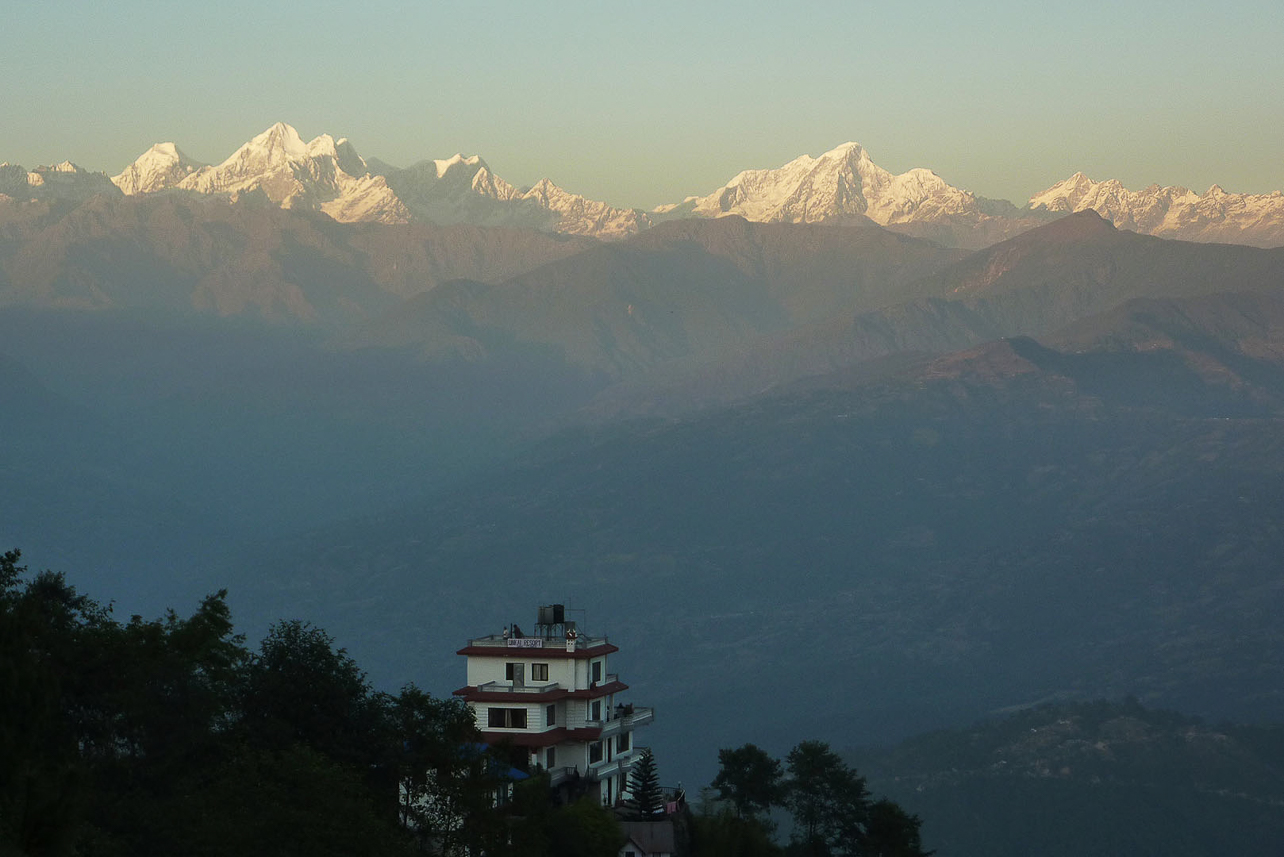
(895, 381)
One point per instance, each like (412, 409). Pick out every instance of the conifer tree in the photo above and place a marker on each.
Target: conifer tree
(644, 785)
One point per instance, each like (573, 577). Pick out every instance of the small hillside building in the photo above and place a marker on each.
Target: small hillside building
(552, 695)
(647, 838)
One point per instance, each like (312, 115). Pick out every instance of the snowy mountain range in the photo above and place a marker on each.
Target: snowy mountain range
(328, 175)
(60, 181)
(1173, 212)
(840, 183)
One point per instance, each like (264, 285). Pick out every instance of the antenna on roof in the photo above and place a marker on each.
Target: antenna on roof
(583, 616)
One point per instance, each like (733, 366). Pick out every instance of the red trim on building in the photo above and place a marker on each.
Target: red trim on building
(536, 654)
(472, 694)
(559, 735)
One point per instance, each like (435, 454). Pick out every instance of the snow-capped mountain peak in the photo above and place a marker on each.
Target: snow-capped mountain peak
(321, 174)
(843, 182)
(458, 160)
(1172, 212)
(163, 165)
(280, 140)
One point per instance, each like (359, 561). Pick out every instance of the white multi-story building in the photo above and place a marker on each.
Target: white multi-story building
(552, 695)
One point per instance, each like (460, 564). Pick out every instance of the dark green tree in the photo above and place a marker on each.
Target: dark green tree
(430, 736)
(891, 832)
(720, 832)
(44, 626)
(750, 779)
(828, 801)
(585, 829)
(302, 689)
(644, 787)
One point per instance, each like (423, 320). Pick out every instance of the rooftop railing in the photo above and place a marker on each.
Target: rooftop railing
(583, 641)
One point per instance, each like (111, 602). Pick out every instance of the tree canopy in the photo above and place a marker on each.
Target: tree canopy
(750, 779)
(170, 736)
(831, 809)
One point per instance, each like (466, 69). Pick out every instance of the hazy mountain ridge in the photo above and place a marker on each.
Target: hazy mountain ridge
(981, 530)
(1101, 778)
(682, 290)
(1034, 284)
(185, 254)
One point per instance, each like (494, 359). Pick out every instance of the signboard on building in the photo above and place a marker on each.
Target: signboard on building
(525, 643)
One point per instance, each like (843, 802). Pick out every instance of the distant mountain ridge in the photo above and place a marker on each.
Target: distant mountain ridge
(1152, 782)
(328, 175)
(63, 181)
(843, 183)
(1173, 212)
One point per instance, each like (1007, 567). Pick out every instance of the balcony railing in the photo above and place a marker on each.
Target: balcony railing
(509, 687)
(557, 776)
(619, 722)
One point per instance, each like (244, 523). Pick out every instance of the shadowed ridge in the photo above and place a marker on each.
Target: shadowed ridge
(992, 361)
(1085, 225)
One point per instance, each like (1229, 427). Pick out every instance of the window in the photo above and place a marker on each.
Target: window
(596, 710)
(597, 671)
(551, 757)
(622, 742)
(509, 669)
(506, 718)
(539, 672)
(595, 752)
(551, 716)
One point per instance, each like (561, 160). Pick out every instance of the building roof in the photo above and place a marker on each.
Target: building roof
(652, 837)
(495, 646)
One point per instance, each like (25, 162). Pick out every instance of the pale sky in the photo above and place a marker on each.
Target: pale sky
(642, 103)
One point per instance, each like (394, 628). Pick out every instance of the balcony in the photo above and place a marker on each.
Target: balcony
(508, 687)
(602, 770)
(557, 776)
(620, 722)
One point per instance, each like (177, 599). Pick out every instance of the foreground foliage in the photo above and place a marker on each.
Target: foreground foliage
(827, 799)
(169, 736)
